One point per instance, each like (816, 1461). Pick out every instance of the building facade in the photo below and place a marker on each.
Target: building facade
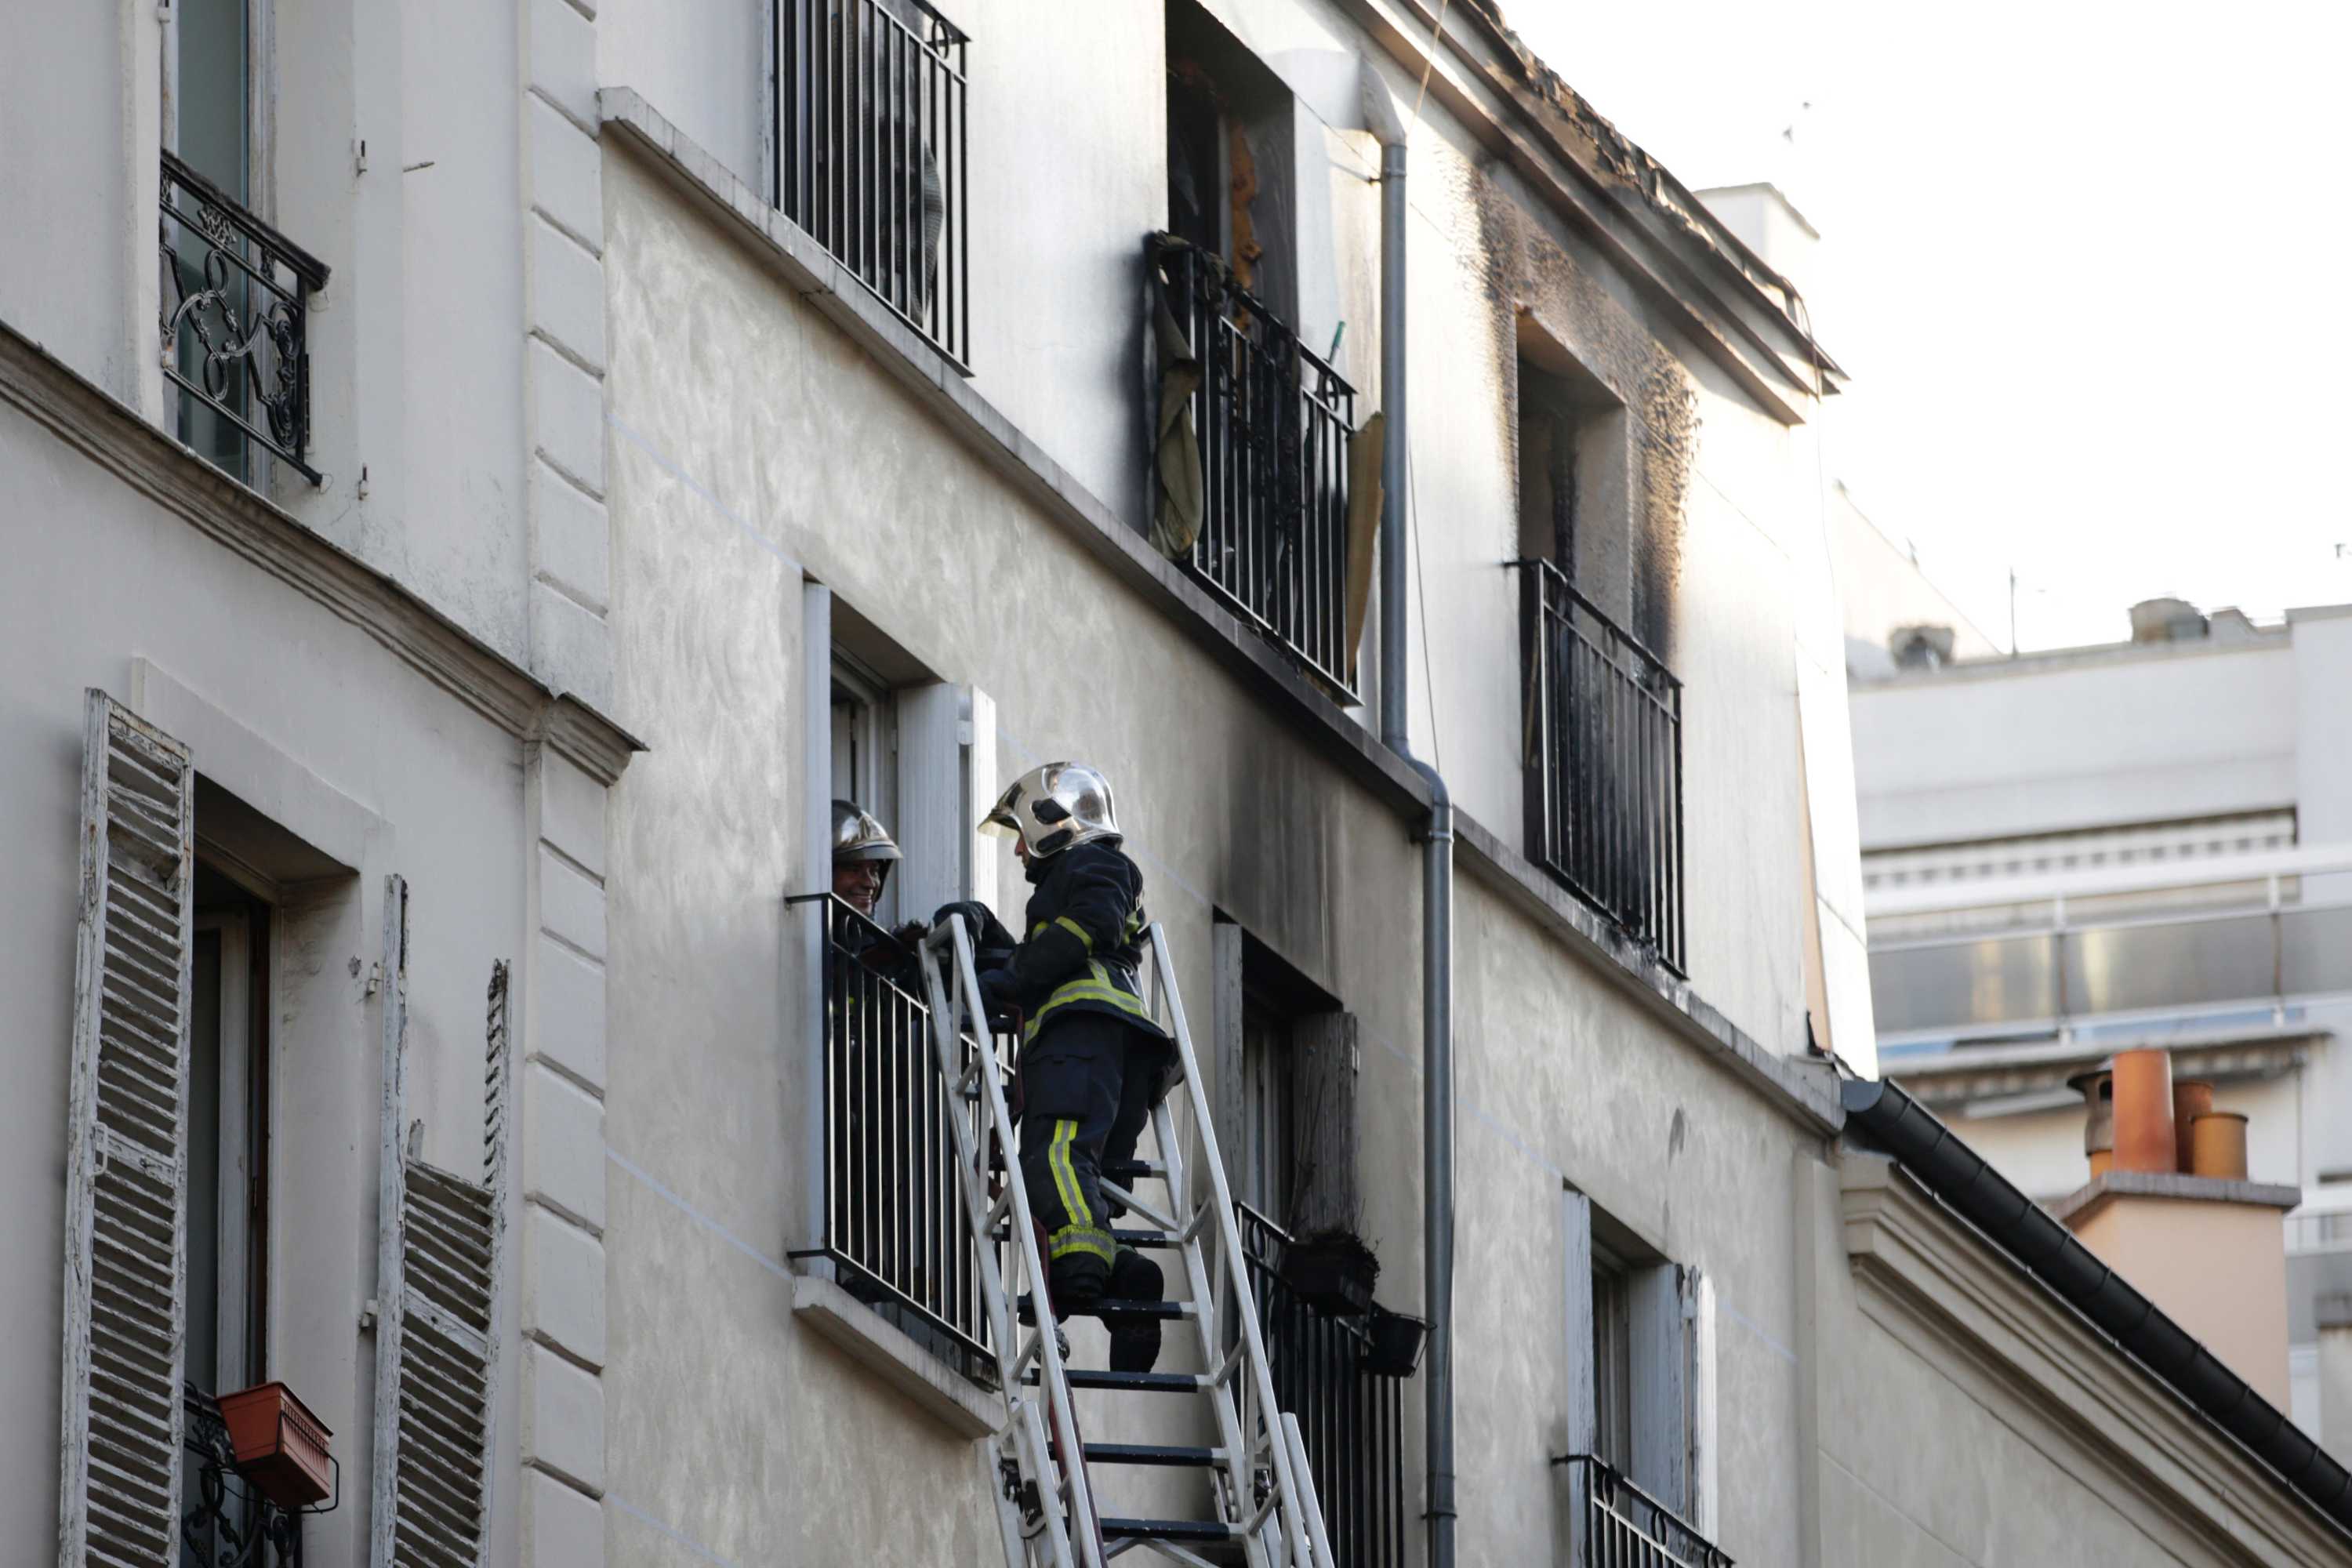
(2143, 843)
(561, 447)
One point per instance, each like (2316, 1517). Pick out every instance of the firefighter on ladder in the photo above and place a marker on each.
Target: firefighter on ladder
(1093, 1061)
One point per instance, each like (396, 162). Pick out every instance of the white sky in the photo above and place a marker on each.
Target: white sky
(2085, 268)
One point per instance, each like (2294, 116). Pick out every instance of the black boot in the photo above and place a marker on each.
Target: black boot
(1134, 1342)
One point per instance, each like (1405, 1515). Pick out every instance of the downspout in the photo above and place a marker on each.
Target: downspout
(1437, 838)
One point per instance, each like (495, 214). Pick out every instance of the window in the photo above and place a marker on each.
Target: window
(1287, 1088)
(1231, 182)
(1603, 758)
(870, 106)
(866, 757)
(234, 292)
(1635, 1408)
(227, 1194)
(1263, 1177)
(1613, 1360)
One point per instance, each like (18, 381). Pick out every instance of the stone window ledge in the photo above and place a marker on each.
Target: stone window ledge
(937, 1389)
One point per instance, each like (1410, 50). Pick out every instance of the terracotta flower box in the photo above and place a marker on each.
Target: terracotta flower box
(281, 1448)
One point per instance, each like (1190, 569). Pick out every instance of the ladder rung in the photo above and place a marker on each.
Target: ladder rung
(1144, 1240)
(1110, 1307)
(1133, 1381)
(1148, 1454)
(1168, 1530)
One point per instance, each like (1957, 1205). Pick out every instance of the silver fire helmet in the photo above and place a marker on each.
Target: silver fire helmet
(856, 835)
(1052, 808)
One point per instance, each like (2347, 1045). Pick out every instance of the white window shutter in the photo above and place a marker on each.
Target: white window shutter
(126, 1173)
(439, 1260)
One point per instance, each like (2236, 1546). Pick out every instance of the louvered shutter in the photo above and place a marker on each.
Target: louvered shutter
(126, 1265)
(438, 1265)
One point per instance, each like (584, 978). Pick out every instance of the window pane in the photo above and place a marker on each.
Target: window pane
(1613, 1367)
(212, 93)
(203, 1198)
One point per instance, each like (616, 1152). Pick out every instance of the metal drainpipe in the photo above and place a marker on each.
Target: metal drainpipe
(1437, 852)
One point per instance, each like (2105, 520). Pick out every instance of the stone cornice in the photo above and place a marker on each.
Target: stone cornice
(117, 440)
(1580, 167)
(2031, 1361)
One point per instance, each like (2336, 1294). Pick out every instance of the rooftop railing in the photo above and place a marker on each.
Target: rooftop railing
(1351, 1418)
(1619, 1525)
(235, 329)
(895, 1228)
(1274, 424)
(1602, 750)
(2018, 955)
(871, 152)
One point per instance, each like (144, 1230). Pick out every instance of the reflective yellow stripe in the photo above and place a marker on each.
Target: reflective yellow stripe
(1074, 929)
(1080, 1238)
(1066, 1175)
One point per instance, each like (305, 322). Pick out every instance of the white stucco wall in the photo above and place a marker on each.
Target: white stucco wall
(303, 714)
(2138, 734)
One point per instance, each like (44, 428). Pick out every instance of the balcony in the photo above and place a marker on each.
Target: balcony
(224, 1522)
(2164, 943)
(896, 1230)
(1275, 425)
(871, 154)
(1616, 1522)
(235, 329)
(1602, 750)
(1351, 1418)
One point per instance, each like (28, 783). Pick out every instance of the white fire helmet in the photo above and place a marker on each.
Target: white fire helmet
(1049, 808)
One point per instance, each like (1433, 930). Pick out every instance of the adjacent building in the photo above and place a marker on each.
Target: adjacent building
(556, 449)
(2139, 843)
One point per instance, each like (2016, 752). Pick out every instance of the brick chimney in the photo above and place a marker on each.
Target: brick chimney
(2206, 1245)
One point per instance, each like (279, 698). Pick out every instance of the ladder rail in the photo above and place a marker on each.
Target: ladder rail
(947, 1035)
(1300, 1543)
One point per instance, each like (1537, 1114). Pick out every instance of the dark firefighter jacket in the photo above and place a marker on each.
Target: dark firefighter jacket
(1084, 952)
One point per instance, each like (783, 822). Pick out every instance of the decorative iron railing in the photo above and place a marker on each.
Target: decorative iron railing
(235, 325)
(871, 152)
(1619, 1525)
(1603, 755)
(1274, 424)
(1350, 1419)
(895, 1224)
(224, 1522)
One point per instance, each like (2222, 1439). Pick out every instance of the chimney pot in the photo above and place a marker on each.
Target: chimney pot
(2218, 1145)
(2192, 1098)
(2143, 1109)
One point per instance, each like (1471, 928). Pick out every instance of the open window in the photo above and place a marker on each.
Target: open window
(1603, 713)
(234, 292)
(1639, 1402)
(889, 1236)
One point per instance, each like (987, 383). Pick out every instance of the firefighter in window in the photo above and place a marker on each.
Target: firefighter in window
(1093, 1060)
(879, 1032)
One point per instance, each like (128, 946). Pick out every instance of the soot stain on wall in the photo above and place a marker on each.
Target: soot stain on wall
(1528, 269)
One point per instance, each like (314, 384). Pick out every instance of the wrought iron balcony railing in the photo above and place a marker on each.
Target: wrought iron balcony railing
(224, 1522)
(871, 153)
(1274, 424)
(895, 1224)
(1350, 1419)
(1603, 755)
(235, 325)
(1619, 1525)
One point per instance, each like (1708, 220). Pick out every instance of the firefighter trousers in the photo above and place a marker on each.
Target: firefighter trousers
(1088, 1082)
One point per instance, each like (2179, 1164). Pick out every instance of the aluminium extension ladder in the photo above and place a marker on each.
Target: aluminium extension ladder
(1263, 1496)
